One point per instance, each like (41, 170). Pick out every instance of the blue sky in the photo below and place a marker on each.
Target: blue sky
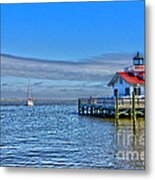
(72, 31)
(85, 43)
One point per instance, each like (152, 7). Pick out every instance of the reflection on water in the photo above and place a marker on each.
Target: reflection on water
(130, 143)
(55, 136)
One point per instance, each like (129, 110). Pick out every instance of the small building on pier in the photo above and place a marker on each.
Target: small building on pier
(131, 79)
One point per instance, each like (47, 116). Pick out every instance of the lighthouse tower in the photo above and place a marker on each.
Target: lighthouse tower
(138, 64)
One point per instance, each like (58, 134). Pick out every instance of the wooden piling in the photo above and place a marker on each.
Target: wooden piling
(91, 110)
(133, 109)
(116, 107)
(79, 108)
(87, 110)
(82, 109)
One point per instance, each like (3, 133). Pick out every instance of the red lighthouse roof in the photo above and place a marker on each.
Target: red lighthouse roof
(131, 78)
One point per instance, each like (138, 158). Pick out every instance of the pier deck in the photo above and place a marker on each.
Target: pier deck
(112, 107)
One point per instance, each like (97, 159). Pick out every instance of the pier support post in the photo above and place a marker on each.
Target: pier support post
(87, 110)
(134, 109)
(82, 110)
(79, 108)
(91, 110)
(116, 108)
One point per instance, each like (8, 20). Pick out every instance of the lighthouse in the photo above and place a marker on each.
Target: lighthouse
(131, 79)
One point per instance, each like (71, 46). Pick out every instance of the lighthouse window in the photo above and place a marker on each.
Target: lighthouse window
(137, 91)
(115, 92)
(121, 81)
(127, 91)
(136, 62)
(141, 62)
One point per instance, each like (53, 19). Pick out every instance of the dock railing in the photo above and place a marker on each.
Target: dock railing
(123, 102)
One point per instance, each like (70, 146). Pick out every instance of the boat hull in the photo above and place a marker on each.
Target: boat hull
(30, 103)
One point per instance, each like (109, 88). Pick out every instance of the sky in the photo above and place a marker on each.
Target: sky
(68, 50)
(72, 31)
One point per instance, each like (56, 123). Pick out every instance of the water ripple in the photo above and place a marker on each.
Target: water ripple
(55, 136)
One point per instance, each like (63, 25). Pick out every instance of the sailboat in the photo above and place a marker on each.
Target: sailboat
(29, 98)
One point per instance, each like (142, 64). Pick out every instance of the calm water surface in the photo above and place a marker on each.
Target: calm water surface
(55, 136)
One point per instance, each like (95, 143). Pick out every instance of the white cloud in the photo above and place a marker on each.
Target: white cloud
(61, 79)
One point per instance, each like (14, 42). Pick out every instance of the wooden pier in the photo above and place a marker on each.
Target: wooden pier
(112, 107)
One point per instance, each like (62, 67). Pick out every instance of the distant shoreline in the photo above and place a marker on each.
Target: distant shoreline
(5, 102)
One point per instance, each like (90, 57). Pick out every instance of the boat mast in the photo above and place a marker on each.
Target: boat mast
(29, 90)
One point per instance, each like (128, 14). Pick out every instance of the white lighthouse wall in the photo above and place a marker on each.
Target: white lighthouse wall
(120, 84)
(143, 89)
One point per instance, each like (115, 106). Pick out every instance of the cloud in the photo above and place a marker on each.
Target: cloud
(4, 84)
(94, 68)
(59, 79)
(37, 83)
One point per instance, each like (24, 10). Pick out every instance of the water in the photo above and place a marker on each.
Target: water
(55, 136)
